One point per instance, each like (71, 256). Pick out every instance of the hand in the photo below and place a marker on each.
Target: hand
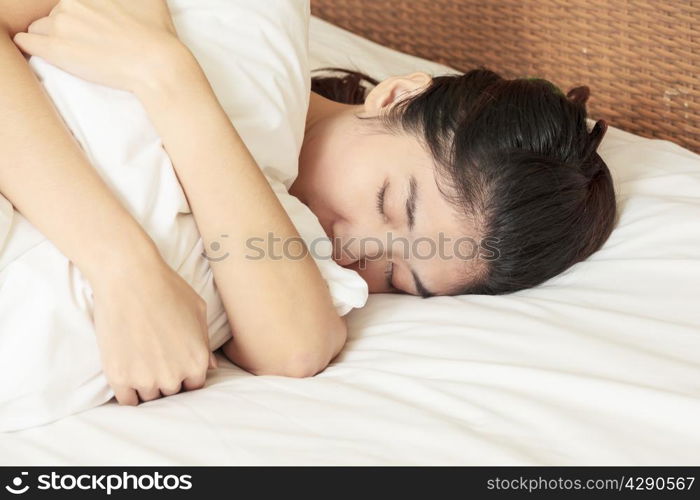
(151, 331)
(116, 43)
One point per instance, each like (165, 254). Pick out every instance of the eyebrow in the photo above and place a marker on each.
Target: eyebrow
(422, 291)
(411, 214)
(411, 202)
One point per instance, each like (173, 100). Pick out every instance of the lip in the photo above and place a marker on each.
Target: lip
(344, 262)
(328, 230)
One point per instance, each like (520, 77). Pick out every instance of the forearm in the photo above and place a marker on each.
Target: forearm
(280, 311)
(47, 178)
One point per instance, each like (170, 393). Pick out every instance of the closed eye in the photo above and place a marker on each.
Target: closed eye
(380, 198)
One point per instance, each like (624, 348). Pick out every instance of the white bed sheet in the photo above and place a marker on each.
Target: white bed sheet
(530, 378)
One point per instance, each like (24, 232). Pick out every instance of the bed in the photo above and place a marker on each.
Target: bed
(600, 365)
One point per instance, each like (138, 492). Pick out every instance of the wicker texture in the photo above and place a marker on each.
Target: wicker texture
(641, 58)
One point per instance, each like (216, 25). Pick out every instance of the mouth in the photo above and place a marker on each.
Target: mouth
(328, 229)
(337, 254)
(344, 260)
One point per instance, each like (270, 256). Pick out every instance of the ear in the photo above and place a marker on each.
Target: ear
(392, 90)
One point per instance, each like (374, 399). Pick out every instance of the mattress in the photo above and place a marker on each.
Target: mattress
(577, 371)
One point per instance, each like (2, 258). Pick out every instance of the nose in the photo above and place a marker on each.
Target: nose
(348, 250)
(371, 248)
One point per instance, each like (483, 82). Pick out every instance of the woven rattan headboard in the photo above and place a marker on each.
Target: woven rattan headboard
(641, 58)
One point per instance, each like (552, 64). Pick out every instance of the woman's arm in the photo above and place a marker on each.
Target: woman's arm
(48, 179)
(281, 312)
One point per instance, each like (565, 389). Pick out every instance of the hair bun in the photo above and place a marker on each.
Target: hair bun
(592, 161)
(595, 137)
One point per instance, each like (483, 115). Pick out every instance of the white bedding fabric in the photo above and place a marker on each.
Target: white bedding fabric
(600, 365)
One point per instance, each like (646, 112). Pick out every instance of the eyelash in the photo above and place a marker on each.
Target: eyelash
(380, 199)
(389, 273)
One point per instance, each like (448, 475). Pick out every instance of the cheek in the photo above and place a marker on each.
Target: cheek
(352, 198)
(337, 185)
(372, 271)
(350, 174)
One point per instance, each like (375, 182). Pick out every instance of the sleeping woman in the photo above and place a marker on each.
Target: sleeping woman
(508, 164)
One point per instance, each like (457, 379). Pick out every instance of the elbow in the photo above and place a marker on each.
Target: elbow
(312, 359)
(294, 367)
(303, 369)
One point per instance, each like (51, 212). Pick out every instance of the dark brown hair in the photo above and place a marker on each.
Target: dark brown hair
(515, 157)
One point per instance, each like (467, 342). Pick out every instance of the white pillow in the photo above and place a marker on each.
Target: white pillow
(255, 56)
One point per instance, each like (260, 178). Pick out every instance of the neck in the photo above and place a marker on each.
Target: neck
(319, 110)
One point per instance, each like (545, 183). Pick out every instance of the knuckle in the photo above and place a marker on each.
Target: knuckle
(198, 374)
(169, 382)
(146, 385)
(171, 387)
(196, 379)
(198, 382)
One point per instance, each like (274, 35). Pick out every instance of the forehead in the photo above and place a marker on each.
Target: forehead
(446, 247)
(445, 244)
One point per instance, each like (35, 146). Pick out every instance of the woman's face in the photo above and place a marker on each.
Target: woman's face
(376, 196)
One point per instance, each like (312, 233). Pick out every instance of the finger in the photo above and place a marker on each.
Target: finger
(126, 396)
(33, 44)
(42, 26)
(169, 391)
(149, 393)
(194, 382)
(213, 362)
